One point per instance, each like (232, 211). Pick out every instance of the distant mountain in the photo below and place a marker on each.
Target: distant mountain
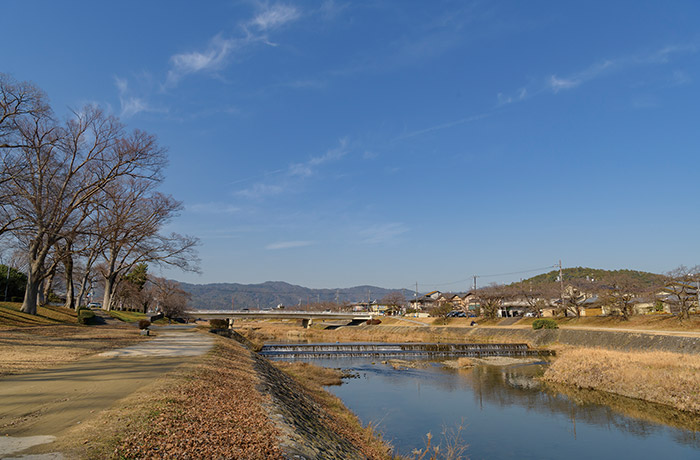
(222, 296)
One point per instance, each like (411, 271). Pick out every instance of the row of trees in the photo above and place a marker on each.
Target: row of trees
(79, 196)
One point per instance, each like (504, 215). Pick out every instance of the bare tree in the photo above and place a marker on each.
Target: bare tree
(169, 297)
(394, 300)
(490, 300)
(19, 103)
(622, 292)
(682, 288)
(132, 217)
(56, 173)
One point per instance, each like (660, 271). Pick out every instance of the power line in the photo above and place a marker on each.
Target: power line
(486, 276)
(517, 273)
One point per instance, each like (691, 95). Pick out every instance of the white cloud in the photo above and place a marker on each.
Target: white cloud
(680, 78)
(306, 169)
(296, 171)
(131, 105)
(200, 61)
(260, 190)
(219, 49)
(504, 100)
(213, 208)
(557, 84)
(383, 233)
(288, 245)
(275, 16)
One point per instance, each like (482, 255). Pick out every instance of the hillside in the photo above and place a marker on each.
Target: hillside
(642, 279)
(221, 296)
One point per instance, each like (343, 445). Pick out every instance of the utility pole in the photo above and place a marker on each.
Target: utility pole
(561, 287)
(475, 282)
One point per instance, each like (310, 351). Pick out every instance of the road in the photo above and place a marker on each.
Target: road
(35, 408)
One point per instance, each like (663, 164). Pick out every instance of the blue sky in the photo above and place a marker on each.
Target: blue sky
(332, 144)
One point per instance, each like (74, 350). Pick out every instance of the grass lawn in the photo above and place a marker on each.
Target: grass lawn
(11, 316)
(127, 316)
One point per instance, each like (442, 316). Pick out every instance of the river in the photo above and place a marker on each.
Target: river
(506, 413)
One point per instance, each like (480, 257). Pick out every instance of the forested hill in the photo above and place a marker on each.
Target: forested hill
(221, 296)
(645, 279)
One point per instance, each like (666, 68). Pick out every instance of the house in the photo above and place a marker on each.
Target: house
(426, 301)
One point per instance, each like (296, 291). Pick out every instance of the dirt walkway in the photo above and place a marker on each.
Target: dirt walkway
(36, 408)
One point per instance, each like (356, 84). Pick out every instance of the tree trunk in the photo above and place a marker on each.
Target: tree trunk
(70, 289)
(81, 292)
(30, 295)
(48, 285)
(34, 278)
(109, 287)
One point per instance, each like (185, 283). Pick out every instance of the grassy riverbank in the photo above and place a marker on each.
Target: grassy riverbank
(671, 379)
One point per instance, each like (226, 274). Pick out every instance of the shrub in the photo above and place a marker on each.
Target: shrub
(544, 323)
(144, 323)
(218, 323)
(373, 322)
(86, 316)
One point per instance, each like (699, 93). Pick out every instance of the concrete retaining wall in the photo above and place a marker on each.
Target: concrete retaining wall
(609, 339)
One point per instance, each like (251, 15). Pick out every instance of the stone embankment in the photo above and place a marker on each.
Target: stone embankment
(608, 339)
(307, 428)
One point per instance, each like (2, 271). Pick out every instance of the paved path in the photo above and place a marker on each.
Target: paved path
(37, 407)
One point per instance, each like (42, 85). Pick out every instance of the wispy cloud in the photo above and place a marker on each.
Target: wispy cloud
(213, 208)
(288, 245)
(295, 171)
(446, 125)
(504, 100)
(131, 105)
(382, 233)
(260, 190)
(208, 60)
(557, 84)
(218, 51)
(272, 17)
(609, 66)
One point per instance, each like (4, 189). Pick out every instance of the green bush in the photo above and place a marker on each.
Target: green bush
(544, 323)
(218, 323)
(86, 316)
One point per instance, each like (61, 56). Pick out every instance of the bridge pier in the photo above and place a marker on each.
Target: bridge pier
(306, 322)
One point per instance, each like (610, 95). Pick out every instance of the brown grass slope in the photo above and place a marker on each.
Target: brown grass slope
(666, 378)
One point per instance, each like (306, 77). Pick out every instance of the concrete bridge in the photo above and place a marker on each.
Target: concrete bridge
(306, 317)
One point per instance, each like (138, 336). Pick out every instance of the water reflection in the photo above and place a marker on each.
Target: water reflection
(508, 414)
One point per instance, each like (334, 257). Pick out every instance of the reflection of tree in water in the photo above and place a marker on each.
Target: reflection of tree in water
(518, 386)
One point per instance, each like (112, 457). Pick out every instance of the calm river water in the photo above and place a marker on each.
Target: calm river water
(506, 414)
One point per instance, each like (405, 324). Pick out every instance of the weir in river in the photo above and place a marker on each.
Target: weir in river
(397, 350)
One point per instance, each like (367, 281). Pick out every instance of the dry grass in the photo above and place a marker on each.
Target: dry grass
(666, 378)
(320, 376)
(259, 333)
(30, 348)
(207, 408)
(11, 316)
